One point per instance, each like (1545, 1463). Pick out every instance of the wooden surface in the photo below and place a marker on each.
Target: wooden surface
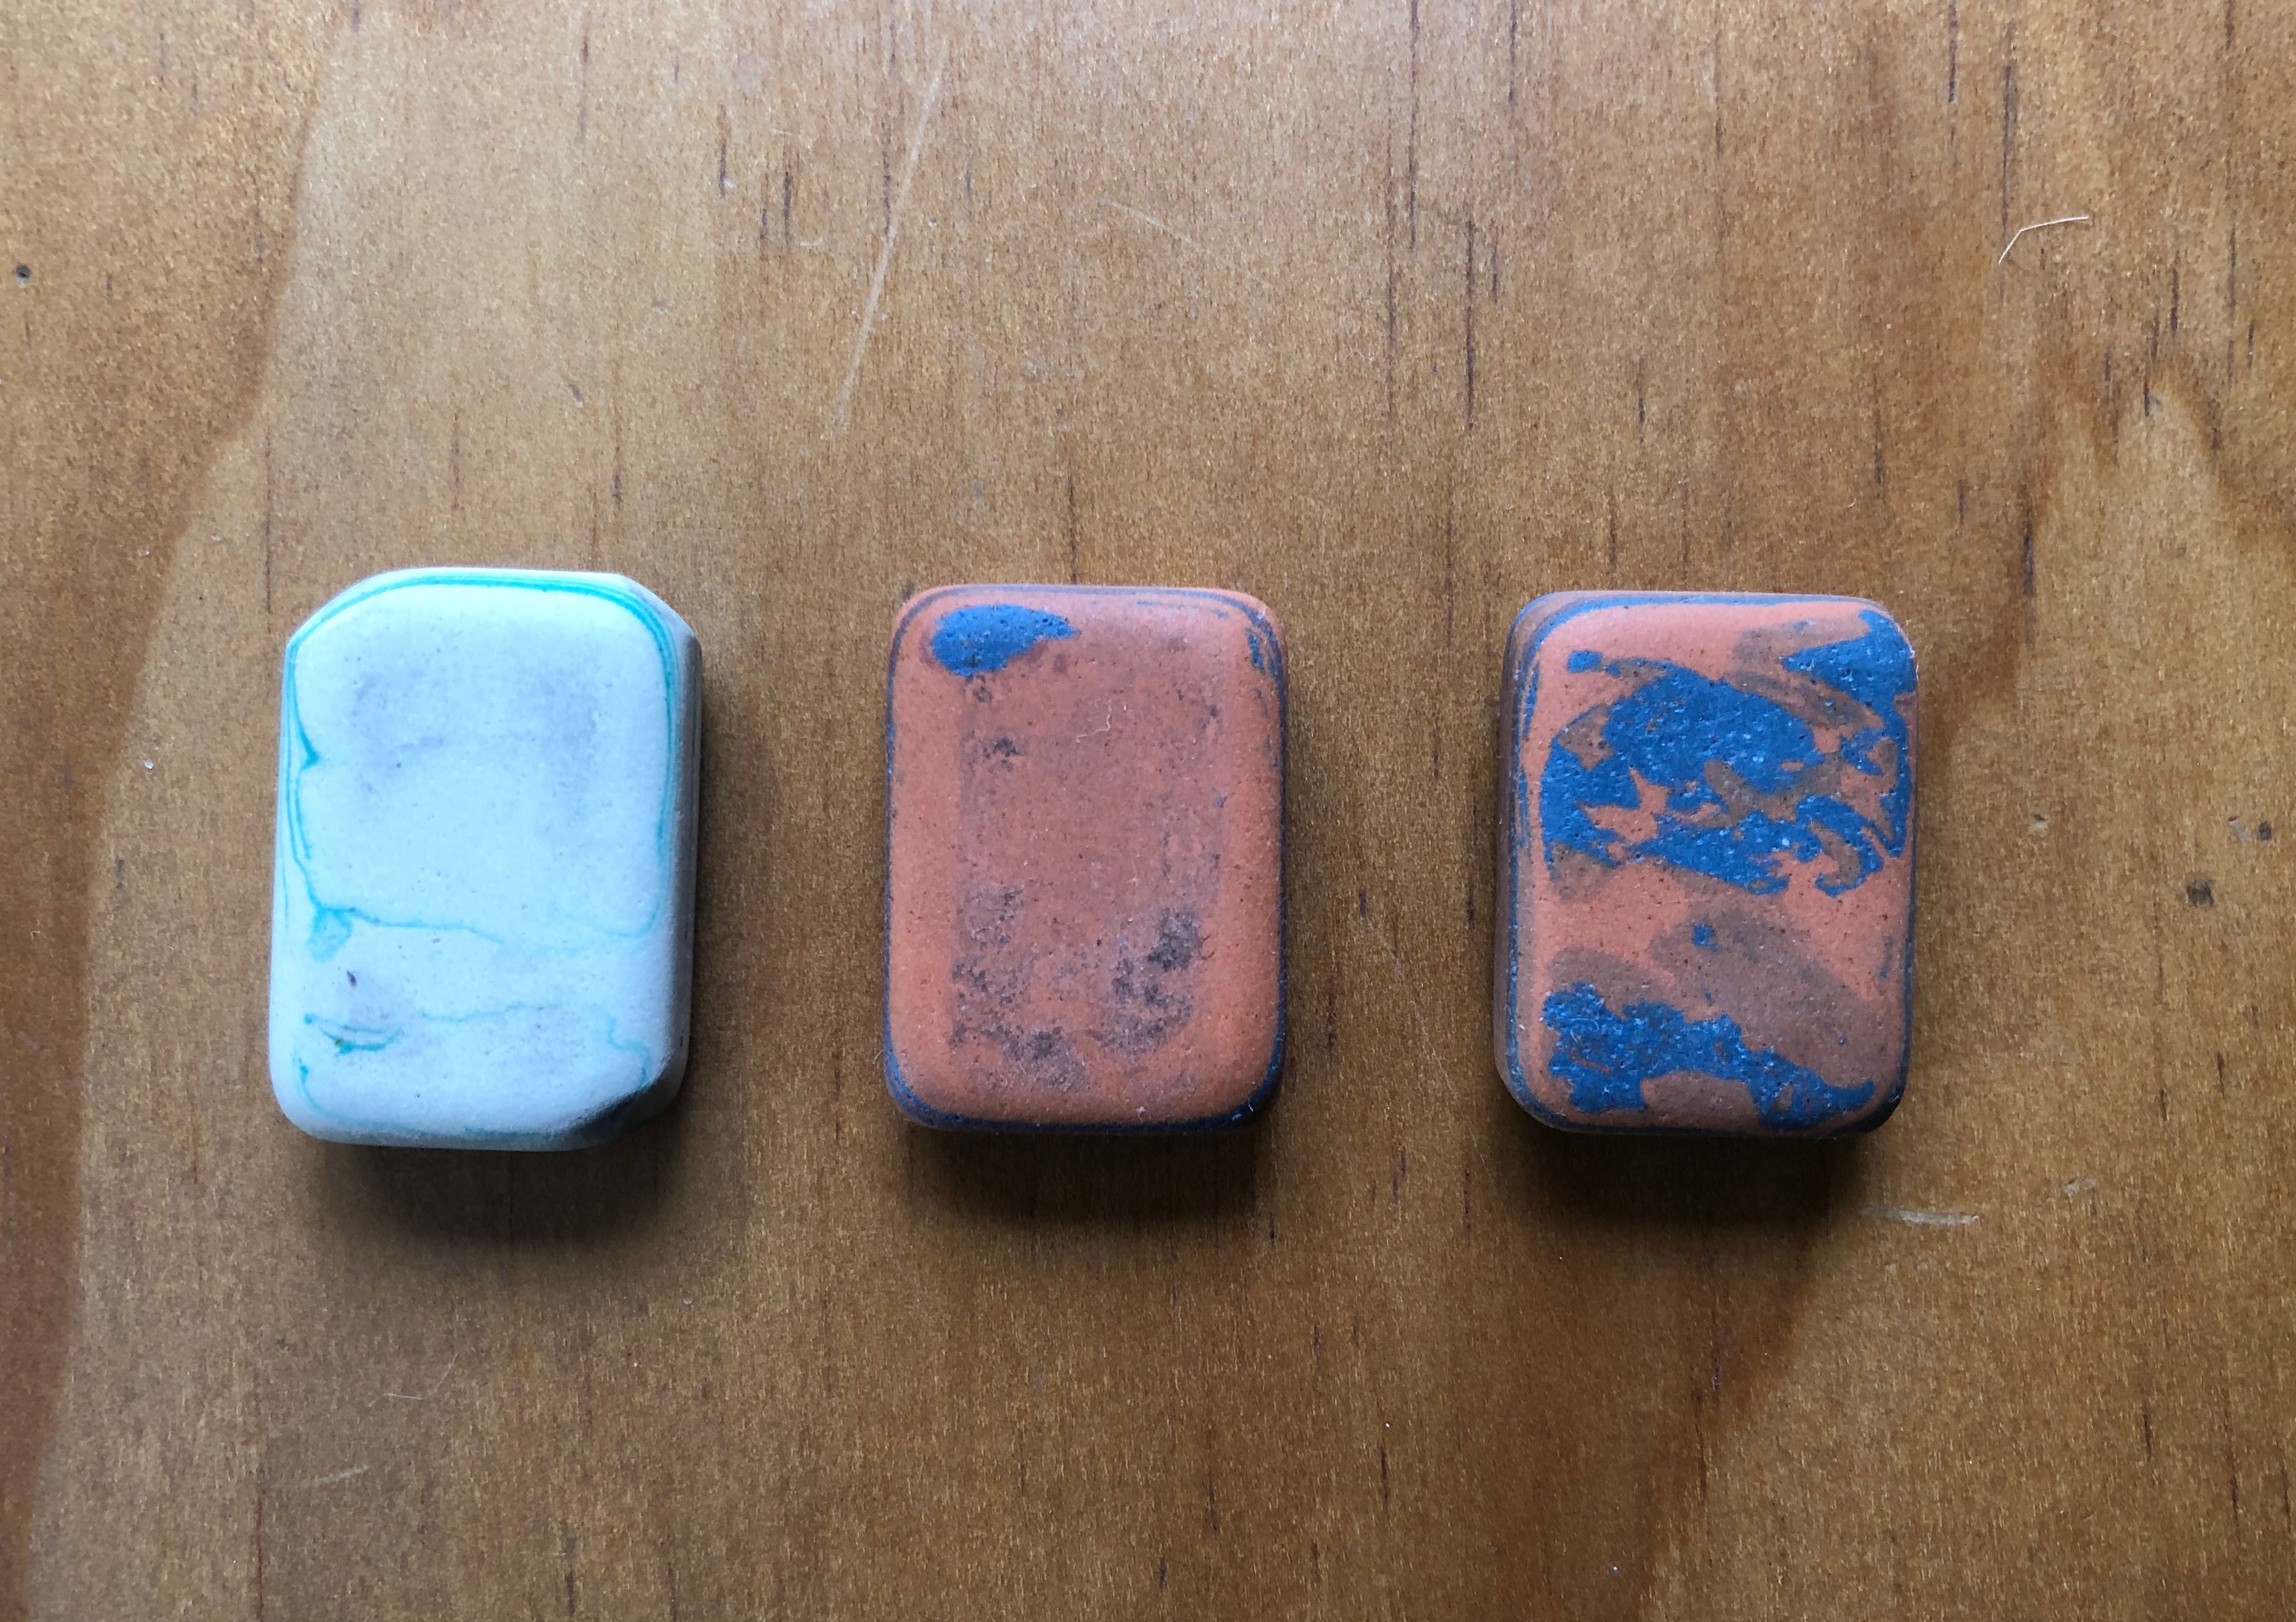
(1394, 316)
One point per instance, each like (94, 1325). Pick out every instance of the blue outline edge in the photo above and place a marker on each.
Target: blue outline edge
(1518, 696)
(923, 1114)
(681, 652)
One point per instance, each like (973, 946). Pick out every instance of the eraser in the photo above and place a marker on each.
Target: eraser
(1706, 863)
(483, 889)
(1085, 859)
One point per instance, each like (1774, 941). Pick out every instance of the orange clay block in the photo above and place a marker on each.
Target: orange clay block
(1706, 863)
(1083, 925)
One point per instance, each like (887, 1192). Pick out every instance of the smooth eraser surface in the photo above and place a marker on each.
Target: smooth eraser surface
(1706, 863)
(482, 898)
(1085, 859)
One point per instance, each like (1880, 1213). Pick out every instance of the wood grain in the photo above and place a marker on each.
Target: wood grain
(1394, 316)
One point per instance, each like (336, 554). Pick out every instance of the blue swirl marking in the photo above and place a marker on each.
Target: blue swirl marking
(352, 1038)
(1675, 727)
(974, 641)
(1607, 1057)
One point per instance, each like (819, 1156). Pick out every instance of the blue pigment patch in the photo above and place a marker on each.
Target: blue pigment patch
(1607, 1057)
(1877, 670)
(1583, 660)
(977, 640)
(1701, 936)
(1675, 725)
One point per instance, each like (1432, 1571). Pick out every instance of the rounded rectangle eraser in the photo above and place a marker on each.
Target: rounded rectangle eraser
(1085, 857)
(1706, 863)
(483, 885)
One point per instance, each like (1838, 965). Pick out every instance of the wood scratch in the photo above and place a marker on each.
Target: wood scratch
(1922, 1219)
(1426, 1046)
(1146, 218)
(2038, 224)
(1411, 145)
(885, 247)
(1242, 273)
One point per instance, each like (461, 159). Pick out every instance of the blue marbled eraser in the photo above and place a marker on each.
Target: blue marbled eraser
(1706, 863)
(483, 891)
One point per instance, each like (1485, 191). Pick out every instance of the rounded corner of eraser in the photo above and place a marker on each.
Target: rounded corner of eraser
(484, 859)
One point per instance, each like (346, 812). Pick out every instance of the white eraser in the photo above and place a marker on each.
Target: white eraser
(481, 922)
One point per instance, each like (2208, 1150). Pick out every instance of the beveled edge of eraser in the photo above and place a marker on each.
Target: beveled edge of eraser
(618, 588)
(683, 650)
(1264, 620)
(1531, 625)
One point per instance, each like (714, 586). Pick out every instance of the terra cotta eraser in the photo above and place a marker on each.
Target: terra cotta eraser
(483, 885)
(1706, 863)
(1085, 868)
